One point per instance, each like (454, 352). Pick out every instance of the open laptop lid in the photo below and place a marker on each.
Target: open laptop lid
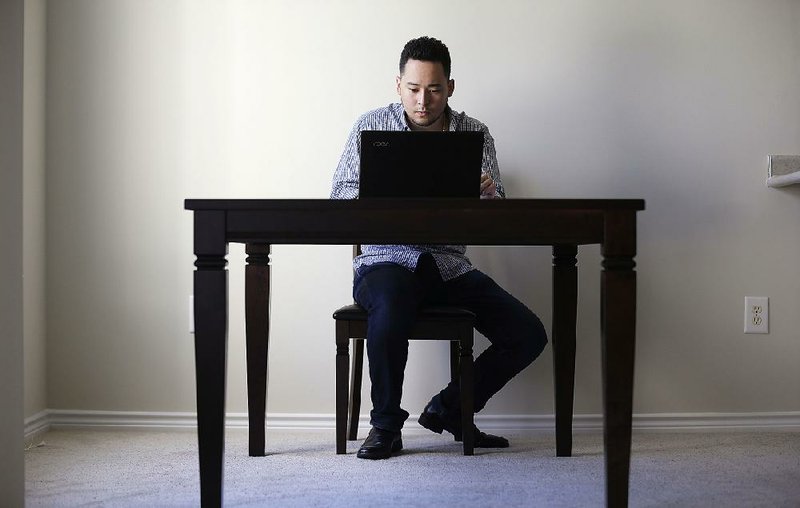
(415, 164)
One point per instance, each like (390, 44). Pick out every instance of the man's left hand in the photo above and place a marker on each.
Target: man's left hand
(488, 187)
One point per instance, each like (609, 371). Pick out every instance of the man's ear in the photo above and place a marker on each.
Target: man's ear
(398, 84)
(451, 87)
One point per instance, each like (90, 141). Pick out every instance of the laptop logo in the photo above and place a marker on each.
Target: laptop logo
(380, 143)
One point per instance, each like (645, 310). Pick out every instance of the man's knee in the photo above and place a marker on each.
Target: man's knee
(531, 338)
(538, 339)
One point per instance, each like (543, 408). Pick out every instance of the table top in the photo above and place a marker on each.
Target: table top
(439, 203)
(402, 221)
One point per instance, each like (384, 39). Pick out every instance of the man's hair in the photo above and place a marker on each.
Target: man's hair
(426, 49)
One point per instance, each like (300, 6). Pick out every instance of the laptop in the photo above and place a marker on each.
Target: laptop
(415, 164)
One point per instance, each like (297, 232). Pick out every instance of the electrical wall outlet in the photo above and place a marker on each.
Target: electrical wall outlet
(756, 314)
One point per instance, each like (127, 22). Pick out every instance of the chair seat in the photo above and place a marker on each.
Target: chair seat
(356, 312)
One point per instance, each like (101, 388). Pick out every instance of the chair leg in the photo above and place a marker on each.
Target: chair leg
(467, 391)
(455, 371)
(355, 388)
(342, 366)
(455, 351)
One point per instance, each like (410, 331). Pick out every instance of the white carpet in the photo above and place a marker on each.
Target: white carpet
(160, 468)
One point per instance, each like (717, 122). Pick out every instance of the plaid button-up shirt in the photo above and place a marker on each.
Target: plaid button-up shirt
(450, 259)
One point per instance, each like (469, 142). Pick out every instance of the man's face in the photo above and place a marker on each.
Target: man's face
(424, 89)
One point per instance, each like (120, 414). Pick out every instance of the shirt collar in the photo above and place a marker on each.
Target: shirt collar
(451, 117)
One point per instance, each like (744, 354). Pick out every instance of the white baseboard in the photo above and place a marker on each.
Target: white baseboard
(59, 418)
(36, 425)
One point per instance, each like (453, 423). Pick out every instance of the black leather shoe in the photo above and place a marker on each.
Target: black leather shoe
(380, 444)
(437, 422)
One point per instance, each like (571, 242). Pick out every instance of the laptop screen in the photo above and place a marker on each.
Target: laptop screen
(415, 164)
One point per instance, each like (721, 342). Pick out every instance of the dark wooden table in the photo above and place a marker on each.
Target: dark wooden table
(563, 224)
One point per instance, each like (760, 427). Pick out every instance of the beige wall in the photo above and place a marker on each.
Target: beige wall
(679, 103)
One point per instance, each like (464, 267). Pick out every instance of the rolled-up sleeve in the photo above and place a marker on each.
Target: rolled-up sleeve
(490, 166)
(345, 178)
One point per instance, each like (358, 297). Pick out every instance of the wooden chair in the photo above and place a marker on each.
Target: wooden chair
(435, 323)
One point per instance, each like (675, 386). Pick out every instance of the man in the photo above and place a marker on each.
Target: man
(393, 281)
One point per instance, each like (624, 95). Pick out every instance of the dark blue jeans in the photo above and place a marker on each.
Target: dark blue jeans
(392, 296)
